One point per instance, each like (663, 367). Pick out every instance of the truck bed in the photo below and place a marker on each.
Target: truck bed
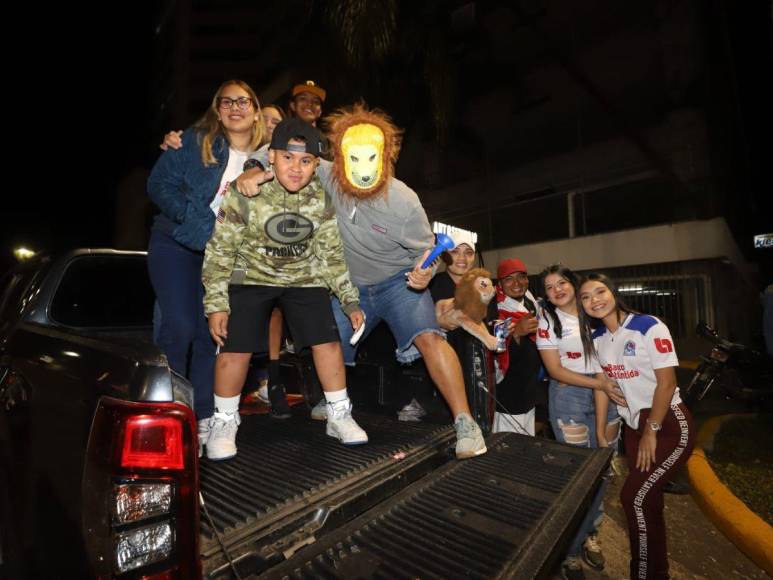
(296, 503)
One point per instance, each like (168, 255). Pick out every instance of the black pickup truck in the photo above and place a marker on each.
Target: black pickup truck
(99, 475)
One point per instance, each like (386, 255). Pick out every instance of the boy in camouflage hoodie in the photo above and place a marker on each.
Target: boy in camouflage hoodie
(283, 247)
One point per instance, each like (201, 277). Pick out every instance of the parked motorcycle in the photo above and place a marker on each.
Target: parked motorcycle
(741, 372)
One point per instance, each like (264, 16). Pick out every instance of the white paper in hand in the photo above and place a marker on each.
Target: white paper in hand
(356, 336)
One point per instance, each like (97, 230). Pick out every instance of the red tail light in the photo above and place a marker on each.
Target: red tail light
(141, 485)
(153, 442)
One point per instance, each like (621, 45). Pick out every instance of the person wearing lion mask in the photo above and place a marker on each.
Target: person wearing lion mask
(386, 238)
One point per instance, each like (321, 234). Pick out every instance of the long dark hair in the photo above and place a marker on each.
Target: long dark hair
(549, 307)
(587, 323)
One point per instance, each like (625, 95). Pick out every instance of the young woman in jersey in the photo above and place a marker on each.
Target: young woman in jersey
(637, 351)
(573, 387)
(188, 185)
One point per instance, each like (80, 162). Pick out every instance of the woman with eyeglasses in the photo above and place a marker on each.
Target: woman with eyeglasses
(637, 351)
(188, 185)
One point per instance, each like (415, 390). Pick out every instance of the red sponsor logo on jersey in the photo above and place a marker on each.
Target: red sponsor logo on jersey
(543, 332)
(664, 345)
(619, 372)
(573, 354)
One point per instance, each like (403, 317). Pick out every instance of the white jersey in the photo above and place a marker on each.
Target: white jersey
(569, 344)
(630, 356)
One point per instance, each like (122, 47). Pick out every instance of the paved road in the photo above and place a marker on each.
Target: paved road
(696, 548)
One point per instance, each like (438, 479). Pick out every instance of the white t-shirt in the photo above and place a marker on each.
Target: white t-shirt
(569, 344)
(233, 170)
(630, 356)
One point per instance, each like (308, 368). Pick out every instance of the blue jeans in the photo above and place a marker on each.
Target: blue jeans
(573, 406)
(408, 314)
(180, 326)
(573, 418)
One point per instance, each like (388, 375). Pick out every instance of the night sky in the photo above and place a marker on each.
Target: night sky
(85, 101)
(83, 110)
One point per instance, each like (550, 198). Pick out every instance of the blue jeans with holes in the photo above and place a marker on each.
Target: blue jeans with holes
(408, 314)
(574, 407)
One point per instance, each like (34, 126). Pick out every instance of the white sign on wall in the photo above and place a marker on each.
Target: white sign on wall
(763, 241)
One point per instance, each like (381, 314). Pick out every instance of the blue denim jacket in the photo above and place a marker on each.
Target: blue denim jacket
(183, 187)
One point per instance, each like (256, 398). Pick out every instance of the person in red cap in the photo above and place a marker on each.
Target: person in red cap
(517, 367)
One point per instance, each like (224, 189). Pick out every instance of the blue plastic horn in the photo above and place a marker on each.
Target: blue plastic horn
(444, 242)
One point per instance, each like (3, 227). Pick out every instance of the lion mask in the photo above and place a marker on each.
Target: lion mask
(366, 144)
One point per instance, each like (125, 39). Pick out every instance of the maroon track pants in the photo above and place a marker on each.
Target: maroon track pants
(642, 493)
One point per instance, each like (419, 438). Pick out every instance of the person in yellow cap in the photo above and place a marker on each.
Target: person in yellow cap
(306, 101)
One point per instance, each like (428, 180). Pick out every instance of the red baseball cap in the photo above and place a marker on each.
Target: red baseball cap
(510, 266)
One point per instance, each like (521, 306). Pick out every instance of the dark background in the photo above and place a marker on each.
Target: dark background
(480, 88)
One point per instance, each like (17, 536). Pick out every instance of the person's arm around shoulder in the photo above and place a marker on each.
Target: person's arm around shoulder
(172, 140)
(249, 181)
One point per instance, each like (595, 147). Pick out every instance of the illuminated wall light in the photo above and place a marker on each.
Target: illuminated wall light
(22, 253)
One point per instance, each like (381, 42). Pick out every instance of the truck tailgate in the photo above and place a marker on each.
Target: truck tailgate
(507, 514)
(290, 483)
(296, 503)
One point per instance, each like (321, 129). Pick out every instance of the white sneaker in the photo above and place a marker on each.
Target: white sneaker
(204, 426)
(222, 437)
(342, 426)
(469, 439)
(319, 411)
(413, 411)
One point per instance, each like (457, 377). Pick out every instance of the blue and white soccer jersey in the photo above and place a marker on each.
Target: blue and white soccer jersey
(630, 356)
(569, 344)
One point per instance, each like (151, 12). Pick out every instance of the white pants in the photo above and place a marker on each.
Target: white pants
(523, 424)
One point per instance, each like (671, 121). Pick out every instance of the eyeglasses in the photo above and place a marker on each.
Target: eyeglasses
(243, 103)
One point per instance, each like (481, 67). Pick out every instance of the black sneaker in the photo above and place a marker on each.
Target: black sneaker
(571, 569)
(280, 409)
(591, 552)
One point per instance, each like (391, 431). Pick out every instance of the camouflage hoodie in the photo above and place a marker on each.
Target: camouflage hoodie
(276, 239)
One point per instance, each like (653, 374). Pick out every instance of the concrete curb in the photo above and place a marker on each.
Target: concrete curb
(749, 532)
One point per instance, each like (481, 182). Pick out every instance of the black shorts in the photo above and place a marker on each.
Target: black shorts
(307, 312)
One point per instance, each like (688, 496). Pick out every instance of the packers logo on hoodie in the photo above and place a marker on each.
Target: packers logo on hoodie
(288, 228)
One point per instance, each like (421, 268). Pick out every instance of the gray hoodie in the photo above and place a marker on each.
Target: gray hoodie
(382, 236)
